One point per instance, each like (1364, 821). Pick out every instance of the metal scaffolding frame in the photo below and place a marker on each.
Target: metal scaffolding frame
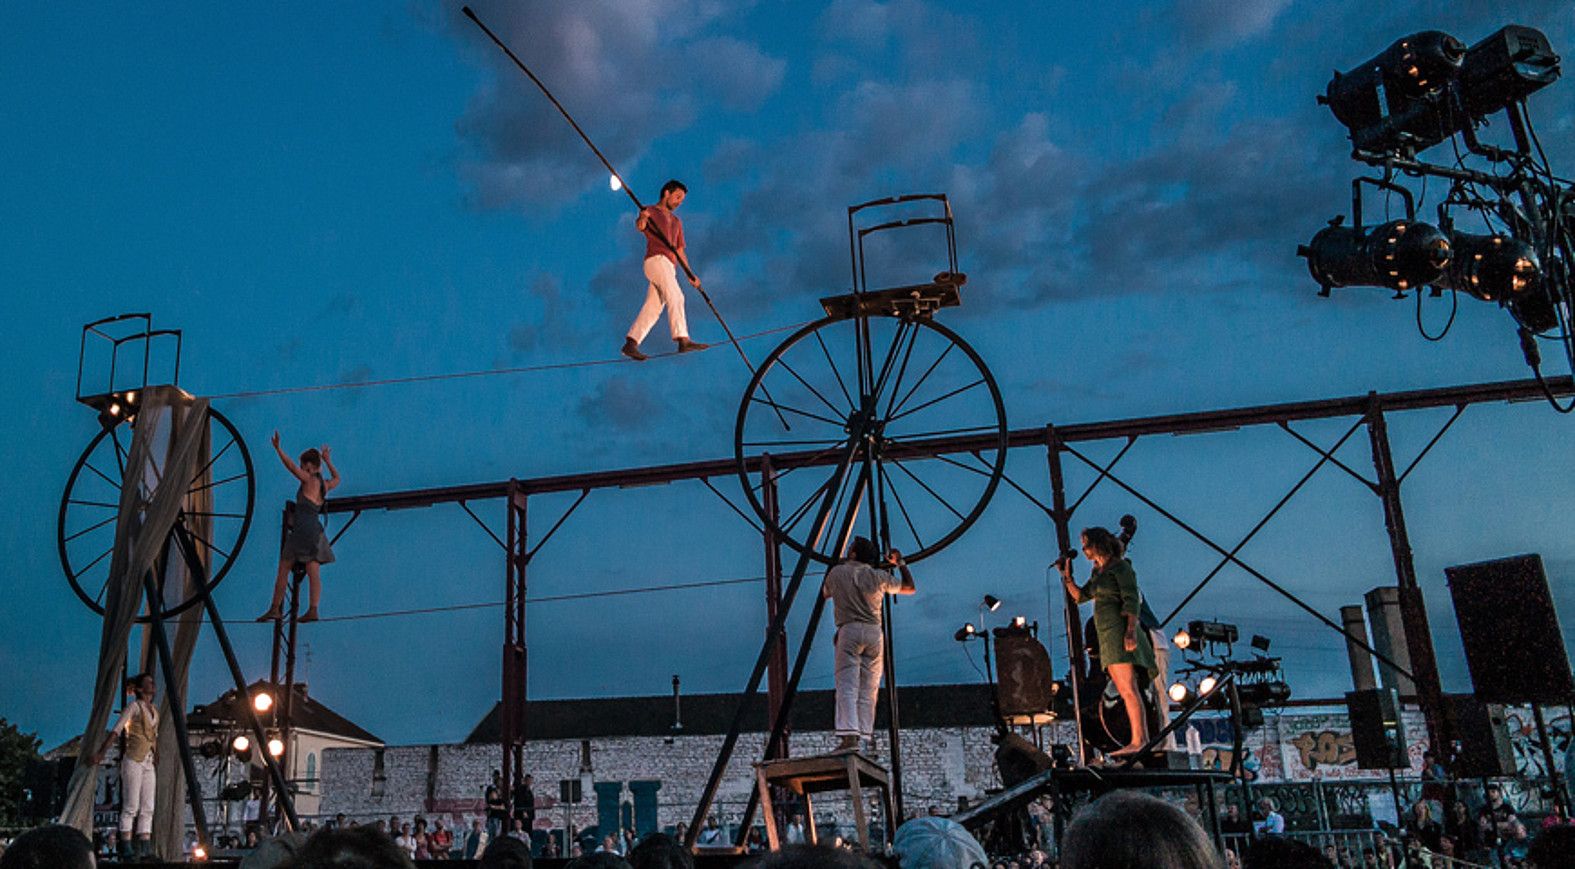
(1370, 410)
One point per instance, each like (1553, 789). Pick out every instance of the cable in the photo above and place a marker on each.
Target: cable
(680, 586)
(459, 375)
(1454, 308)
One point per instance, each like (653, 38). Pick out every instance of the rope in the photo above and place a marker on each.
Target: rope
(680, 586)
(486, 372)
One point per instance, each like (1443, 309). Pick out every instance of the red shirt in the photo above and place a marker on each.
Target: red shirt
(672, 229)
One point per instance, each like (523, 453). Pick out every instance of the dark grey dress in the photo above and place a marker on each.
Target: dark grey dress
(307, 541)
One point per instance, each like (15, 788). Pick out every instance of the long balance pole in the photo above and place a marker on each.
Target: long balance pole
(624, 185)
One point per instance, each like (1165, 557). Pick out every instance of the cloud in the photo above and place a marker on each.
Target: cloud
(557, 316)
(621, 404)
(1216, 23)
(612, 66)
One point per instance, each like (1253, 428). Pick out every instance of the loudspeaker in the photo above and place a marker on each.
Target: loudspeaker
(1018, 759)
(44, 788)
(1023, 677)
(1481, 731)
(1514, 647)
(1377, 731)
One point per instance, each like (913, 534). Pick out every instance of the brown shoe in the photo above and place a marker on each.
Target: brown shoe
(687, 346)
(631, 349)
(848, 743)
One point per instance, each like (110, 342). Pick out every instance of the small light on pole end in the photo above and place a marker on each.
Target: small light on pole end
(614, 183)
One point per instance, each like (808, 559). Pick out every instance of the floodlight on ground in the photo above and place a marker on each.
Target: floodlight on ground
(1400, 254)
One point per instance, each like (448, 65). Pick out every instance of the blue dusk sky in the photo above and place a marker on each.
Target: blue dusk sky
(321, 193)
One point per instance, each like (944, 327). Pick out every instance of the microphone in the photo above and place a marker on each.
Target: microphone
(1067, 556)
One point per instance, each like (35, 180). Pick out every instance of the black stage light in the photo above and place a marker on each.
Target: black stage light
(236, 791)
(992, 603)
(1393, 98)
(1535, 309)
(1505, 67)
(964, 633)
(1260, 642)
(1494, 268)
(1399, 255)
(1213, 632)
(1265, 693)
(211, 749)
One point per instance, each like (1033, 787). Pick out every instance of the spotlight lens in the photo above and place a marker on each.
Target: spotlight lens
(199, 853)
(1018, 622)
(1182, 640)
(1207, 684)
(241, 744)
(263, 701)
(1178, 692)
(276, 747)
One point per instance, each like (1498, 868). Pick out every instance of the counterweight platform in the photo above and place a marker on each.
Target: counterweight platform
(806, 776)
(918, 300)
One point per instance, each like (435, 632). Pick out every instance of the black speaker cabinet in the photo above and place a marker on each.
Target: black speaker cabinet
(1511, 633)
(1377, 731)
(1023, 675)
(1481, 731)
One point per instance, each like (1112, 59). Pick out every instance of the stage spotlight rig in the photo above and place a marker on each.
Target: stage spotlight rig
(1421, 91)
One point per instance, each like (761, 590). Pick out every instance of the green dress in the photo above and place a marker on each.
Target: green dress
(1114, 592)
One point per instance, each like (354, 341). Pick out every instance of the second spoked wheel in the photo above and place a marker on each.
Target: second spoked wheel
(911, 400)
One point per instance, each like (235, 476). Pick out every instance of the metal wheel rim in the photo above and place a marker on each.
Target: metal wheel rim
(996, 470)
(62, 538)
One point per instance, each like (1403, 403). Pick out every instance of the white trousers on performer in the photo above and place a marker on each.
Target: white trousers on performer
(1162, 683)
(137, 785)
(860, 646)
(662, 290)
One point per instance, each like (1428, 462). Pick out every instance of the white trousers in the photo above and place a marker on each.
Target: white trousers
(662, 290)
(137, 785)
(857, 672)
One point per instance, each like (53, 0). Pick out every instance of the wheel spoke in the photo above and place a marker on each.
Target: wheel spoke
(213, 515)
(783, 362)
(901, 508)
(208, 543)
(780, 406)
(103, 476)
(922, 378)
(94, 527)
(934, 401)
(120, 457)
(833, 366)
(803, 509)
(206, 486)
(969, 468)
(909, 438)
(93, 503)
(216, 456)
(89, 566)
(902, 369)
(936, 495)
(891, 356)
(807, 463)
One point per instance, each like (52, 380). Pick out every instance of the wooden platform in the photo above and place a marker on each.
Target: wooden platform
(843, 771)
(918, 300)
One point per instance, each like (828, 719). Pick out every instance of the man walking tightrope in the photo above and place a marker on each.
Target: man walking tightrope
(664, 253)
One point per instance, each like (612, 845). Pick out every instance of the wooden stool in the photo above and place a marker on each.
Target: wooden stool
(843, 771)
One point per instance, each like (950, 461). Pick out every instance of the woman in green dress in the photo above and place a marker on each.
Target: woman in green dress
(1123, 645)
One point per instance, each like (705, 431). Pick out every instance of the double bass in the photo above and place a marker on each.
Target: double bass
(1103, 715)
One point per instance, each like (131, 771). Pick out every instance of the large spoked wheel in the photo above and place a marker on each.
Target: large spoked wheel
(909, 400)
(216, 510)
